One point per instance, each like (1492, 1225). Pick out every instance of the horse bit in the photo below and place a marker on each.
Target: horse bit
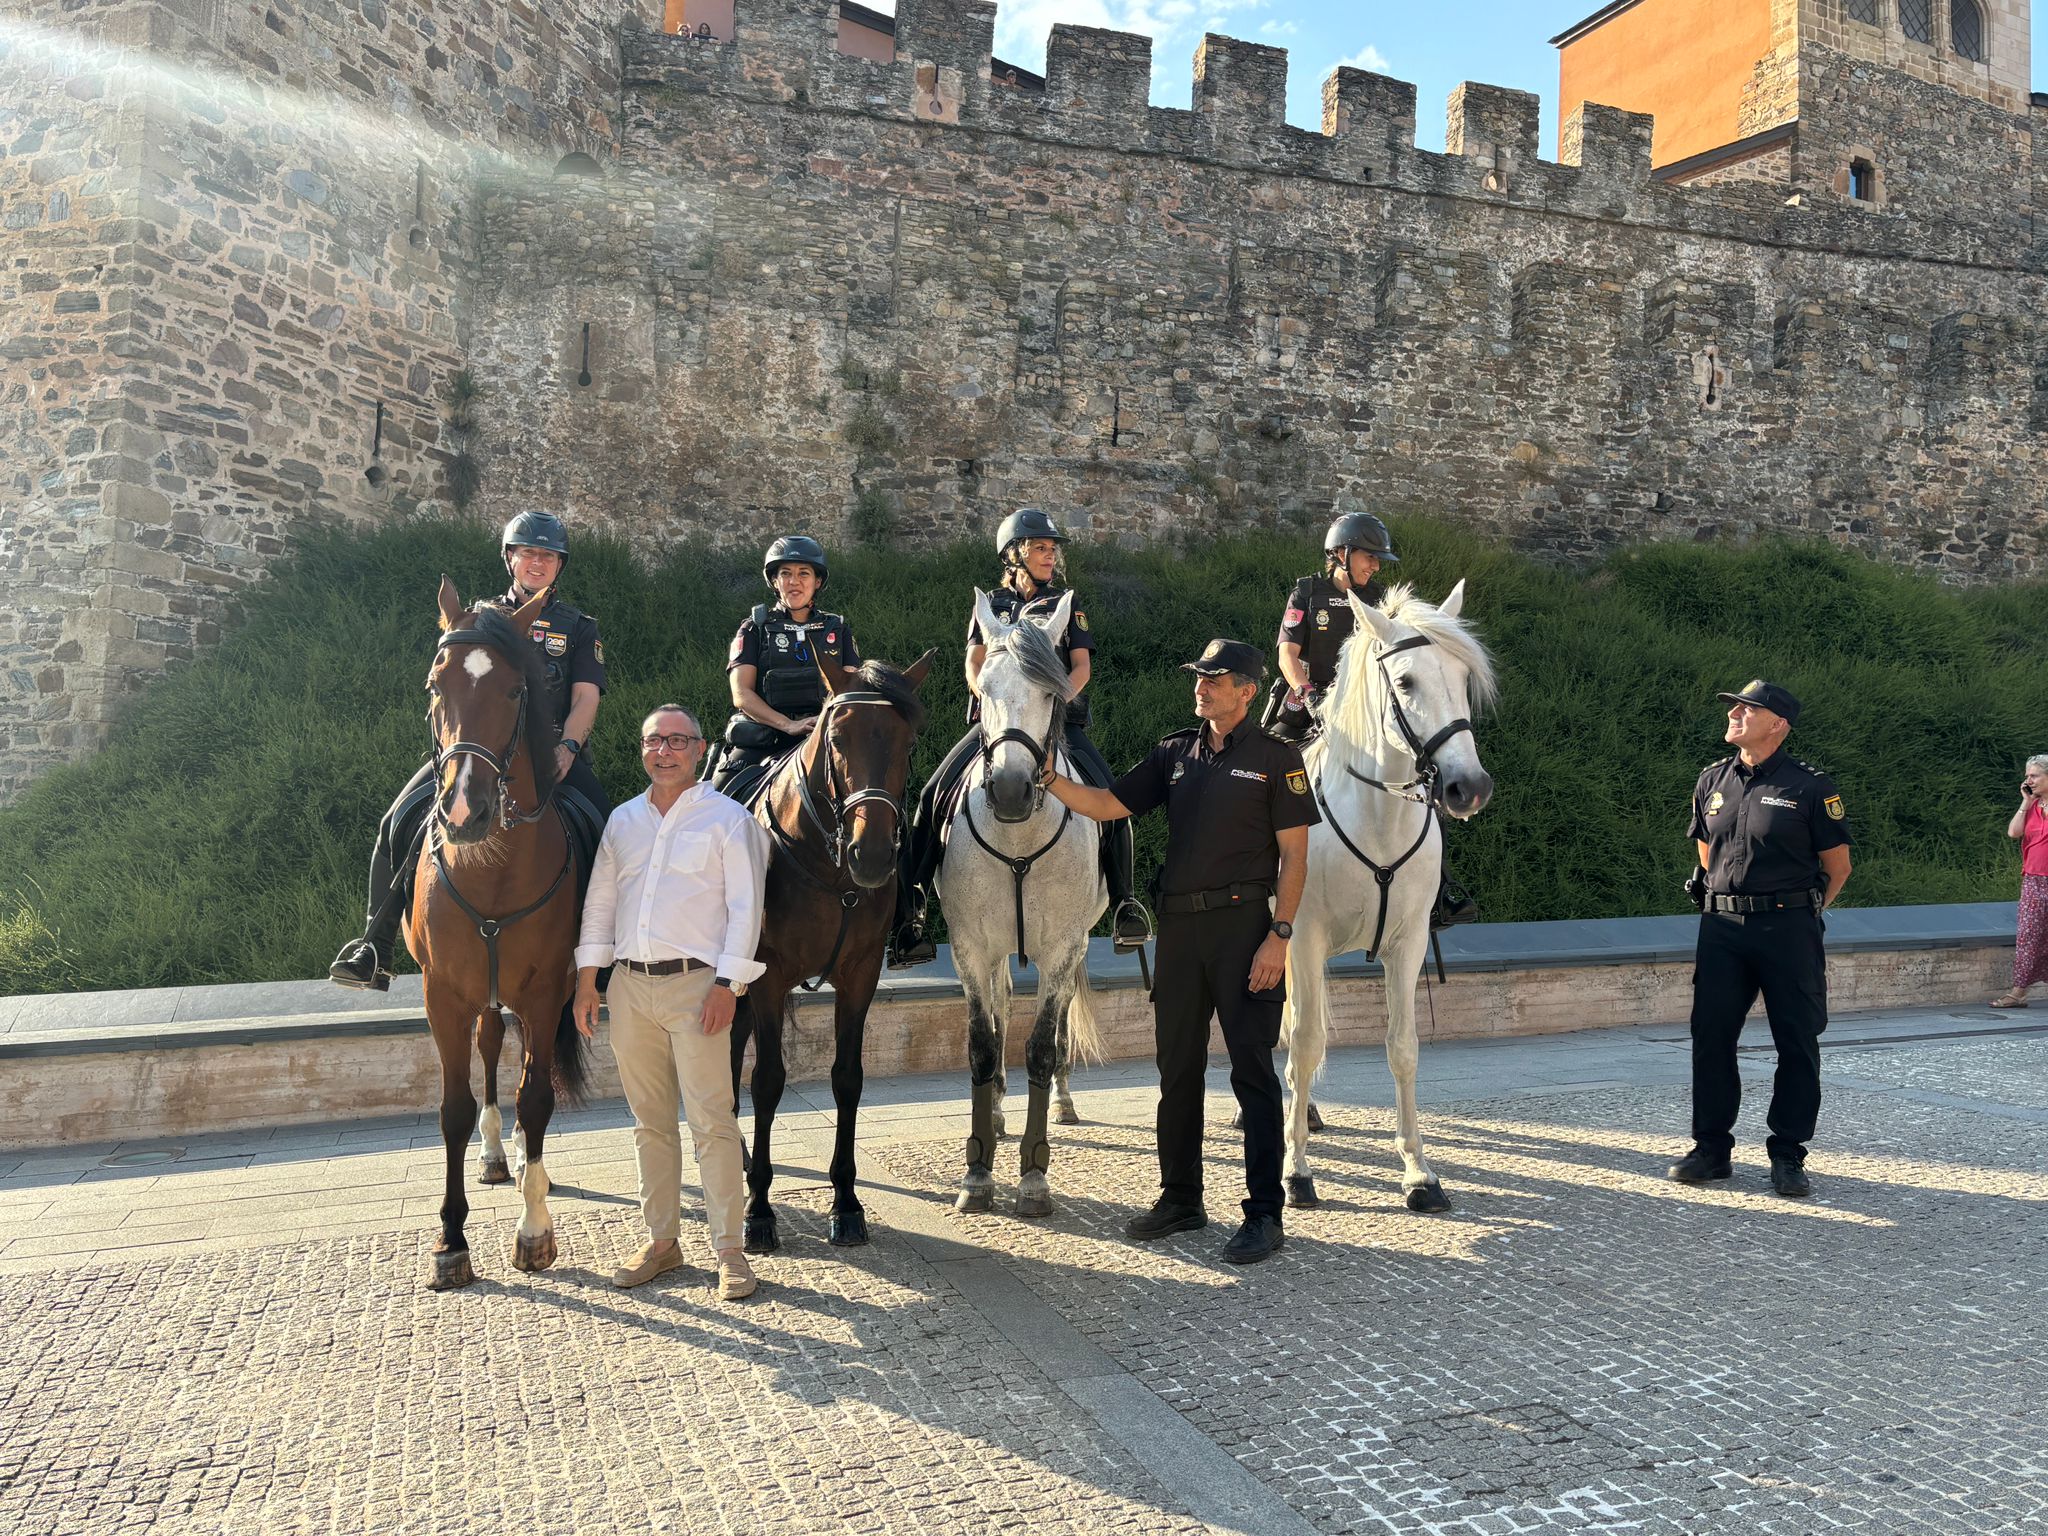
(489, 928)
(1425, 781)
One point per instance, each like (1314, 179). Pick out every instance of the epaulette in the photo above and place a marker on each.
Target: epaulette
(1193, 730)
(1800, 762)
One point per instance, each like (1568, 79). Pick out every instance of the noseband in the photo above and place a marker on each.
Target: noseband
(500, 763)
(840, 806)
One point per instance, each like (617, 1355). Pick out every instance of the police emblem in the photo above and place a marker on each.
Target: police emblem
(538, 632)
(831, 637)
(1297, 780)
(1714, 803)
(1833, 805)
(1323, 619)
(1178, 770)
(1081, 619)
(782, 642)
(557, 645)
(597, 650)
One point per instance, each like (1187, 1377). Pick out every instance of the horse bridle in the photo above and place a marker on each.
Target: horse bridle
(1424, 752)
(1042, 753)
(500, 763)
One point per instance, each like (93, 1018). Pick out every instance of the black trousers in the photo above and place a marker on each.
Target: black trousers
(1740, 954)
(1205, 961)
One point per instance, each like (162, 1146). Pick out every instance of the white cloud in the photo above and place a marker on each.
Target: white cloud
(1367, 58)
(1278, 29)
(1023, 25)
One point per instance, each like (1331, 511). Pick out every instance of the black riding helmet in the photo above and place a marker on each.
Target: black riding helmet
(1363, 532)
(794, 549)
(535, 530)
(1026, 523)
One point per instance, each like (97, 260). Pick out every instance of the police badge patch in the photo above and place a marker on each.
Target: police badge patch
(1178, 770)
(597, 650)
(1081, 619)
(557, 645)
(1297, 780)
(1714, 803)
(1833, 806)
(538, 632)
(1323, 619)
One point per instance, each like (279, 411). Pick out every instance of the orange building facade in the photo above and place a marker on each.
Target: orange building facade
(1688, 64)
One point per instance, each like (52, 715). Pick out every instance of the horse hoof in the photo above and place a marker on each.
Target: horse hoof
(451, 1271)
(536, 1252)
(977, 1194)
(1301, 1192)
(849, 1228)
(1034, 1202)
(1428, 1198)
(761, 1236)
(1064, 1113)
(1315, 1116)
(493, 1170)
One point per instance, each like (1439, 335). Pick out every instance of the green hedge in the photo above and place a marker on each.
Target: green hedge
(221, 835)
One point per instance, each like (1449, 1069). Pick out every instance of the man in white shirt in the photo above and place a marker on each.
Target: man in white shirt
(675, 904)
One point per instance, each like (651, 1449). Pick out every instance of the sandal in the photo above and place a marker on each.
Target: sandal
(2012, 997)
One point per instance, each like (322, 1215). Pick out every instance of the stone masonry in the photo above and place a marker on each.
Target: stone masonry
(246, 247)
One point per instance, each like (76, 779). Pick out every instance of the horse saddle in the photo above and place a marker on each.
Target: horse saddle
(748, 778)
(585, 825)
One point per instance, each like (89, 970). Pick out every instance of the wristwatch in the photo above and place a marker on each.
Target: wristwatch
(737, 989)
(575, 747)
(1283, 930)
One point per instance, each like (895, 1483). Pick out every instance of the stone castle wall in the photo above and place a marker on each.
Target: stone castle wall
(808, 290)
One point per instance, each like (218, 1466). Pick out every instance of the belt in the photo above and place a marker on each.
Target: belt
(1794, 901)
(1219, 900)
(665, 967)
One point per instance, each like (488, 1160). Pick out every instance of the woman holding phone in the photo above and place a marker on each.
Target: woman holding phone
(2030, 825)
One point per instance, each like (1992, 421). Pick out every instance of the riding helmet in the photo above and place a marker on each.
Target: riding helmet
(794, 549)
(1363, 532)
(536, 530)
(1027, 523)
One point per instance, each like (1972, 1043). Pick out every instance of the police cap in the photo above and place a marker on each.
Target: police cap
(1763, 695)
(1221, 656)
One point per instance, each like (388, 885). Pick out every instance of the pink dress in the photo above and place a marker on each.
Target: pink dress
(2030, 953)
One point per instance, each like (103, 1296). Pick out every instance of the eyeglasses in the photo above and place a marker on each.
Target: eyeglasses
(679, 742)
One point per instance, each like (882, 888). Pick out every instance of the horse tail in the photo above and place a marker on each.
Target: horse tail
(1084, 1037)
(572, 1070)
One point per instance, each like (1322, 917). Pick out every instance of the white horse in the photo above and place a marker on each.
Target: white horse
(1020, 877)
(1396, 744)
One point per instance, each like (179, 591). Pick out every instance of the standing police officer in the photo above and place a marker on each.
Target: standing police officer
(776, 689)
(1773, 840)
(1238, 810)
(1318, 618)
(535, 547)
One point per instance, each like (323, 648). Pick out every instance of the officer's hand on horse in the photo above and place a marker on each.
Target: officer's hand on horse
(802, 727)
(1269, 964)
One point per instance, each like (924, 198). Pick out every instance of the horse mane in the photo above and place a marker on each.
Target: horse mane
(1357, 702)
(892, 685)
(524, 656)
(1034, 651)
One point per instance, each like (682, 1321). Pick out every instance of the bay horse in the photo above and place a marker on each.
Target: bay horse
(1020, 877)
(1396, 745)
(496, 862)
(834, 810)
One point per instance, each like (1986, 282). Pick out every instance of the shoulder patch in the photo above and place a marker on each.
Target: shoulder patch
(1080, 619)
(1833, 805)
(1297, 780)
(597, 650)
(1293, 616)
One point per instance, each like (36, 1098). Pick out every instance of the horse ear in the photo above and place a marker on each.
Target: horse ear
(1365, 613)
(1062, 616)
(830, 669)
(531, 609)
(1453, 605)
(921, 668)
(451, 604)
(992, 628)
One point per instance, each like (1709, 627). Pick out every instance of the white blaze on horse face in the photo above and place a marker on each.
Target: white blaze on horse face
(477, 663)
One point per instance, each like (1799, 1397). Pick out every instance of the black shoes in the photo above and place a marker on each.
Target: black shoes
(1789, 1179)
(1132, 928)
(1696, 1167)
(358, 966)
(1164, 1219)
(1258, 1239)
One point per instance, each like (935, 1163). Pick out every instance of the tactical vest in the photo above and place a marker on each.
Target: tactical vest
(787, 676)
(1324, 641)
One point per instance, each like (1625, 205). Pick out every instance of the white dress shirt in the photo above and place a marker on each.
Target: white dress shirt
(685, 885)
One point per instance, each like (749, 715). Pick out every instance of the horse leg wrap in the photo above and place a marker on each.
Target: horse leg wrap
(1036, 1152)
(981, 1130)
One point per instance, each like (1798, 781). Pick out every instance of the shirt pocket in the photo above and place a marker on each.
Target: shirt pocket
(691, 854)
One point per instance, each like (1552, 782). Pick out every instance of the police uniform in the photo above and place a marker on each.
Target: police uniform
(783, 652)
(1224, 811)
(1319, 620)
(1760, 930)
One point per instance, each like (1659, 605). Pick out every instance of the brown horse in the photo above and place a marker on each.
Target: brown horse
(495, 911)
(834, 814)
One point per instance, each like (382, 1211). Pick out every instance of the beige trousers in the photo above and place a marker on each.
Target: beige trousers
(663, 1052)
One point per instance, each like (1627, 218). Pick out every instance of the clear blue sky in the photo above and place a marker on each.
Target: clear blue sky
(1434, 43)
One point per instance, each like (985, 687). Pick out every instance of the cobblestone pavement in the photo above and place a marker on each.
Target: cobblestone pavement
(1577, 1346)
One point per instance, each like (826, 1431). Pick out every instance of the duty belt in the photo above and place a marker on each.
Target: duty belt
(1218, 900)
(1782, 901)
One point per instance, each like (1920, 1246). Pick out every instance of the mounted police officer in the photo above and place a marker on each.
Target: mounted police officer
(1318, 620)
(1773, 841)
(773, 665)
(536, 550)
(1033, 582)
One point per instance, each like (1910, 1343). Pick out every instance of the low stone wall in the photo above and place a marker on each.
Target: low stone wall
(129, 1082)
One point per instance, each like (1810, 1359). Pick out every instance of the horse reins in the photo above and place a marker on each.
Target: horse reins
(489, 928)
(1425, 780)
(836, 835)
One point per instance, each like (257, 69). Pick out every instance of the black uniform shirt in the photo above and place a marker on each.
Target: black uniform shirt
(783, 642)
(569, 647)
(1318, 619)
(1010, 607)
(1765, 827)
(1223, 809)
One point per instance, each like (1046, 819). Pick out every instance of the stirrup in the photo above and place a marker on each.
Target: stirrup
(912, 946)
(349, 968)
(1126, 939)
